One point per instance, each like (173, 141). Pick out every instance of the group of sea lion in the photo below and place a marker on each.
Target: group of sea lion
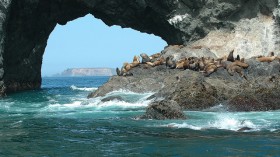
(128, 66)
(210, 65)
(206, 65)
(153, 60)
(271, 57)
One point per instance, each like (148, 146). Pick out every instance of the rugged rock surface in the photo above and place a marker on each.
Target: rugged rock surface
(164, 109)
(248, 26)
(193, 91)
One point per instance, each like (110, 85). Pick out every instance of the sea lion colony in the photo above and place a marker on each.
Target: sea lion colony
(205, 65)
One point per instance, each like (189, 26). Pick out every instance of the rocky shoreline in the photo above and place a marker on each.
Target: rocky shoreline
(191, 90)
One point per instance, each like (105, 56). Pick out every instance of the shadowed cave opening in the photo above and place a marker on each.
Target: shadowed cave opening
(87, 42)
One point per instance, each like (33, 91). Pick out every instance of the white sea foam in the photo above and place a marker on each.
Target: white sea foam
(183, 125)
(222, 121)
(83, 89)
(231, 123)
(97, 105)
(128, 92)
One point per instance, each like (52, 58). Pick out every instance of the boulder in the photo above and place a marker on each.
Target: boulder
(165, 109)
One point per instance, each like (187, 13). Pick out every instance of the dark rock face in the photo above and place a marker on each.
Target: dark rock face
(164, 109)
(217, 25)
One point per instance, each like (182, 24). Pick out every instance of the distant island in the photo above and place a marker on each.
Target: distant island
(87, 72)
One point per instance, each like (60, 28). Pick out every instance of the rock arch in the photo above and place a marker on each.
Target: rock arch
(25, 26)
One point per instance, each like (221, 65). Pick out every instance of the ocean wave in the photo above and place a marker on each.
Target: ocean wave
(227, 121)
(83, 89)
(233, 124)
(130, 100)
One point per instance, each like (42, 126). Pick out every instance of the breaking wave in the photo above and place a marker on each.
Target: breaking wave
(240, 121)
(83, 89)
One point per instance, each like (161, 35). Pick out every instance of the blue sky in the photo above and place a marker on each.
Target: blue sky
(87, 43)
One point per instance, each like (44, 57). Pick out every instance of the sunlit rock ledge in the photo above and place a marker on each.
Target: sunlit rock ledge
(191, 90)
(248, 26)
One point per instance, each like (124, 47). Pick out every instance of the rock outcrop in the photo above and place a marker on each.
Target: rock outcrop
(164, 109)
(193, 91)
(248, 26)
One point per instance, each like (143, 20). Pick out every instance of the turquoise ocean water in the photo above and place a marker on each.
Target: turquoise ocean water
(59, 120)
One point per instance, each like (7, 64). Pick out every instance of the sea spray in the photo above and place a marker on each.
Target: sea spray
(73, 87)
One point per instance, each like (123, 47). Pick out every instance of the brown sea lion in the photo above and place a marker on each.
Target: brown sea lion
(209, 60)
(194, 66)
(197, 47)
(136, 61)
(159, 61)
(201, 64)
(230, 56)
(123, 72)
(209, 69)
(232, 68)
(267, 59)
(182, 64)
(241, 64)
(155, 56)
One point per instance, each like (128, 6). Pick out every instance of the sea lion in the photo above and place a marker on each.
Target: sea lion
(271, 54)
(170, 63)
(237, 58)
(201, 64)
(230, 56)
(136, 61)
(209, 69)
(123, 72)
(159, 61)
(150, 64)
(209, 60)
(145, 58)
(155, 56)
(194, 66)
(232, 68)
(182, 64)
(197, 47)
(127, 66)
(241, 63)
(267, 59)
(119, 73)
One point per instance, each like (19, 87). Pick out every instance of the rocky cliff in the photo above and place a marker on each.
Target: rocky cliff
(192, 90)
(250, 27)
(88, 72)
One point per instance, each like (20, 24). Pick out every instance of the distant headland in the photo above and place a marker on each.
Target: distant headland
(73, 72)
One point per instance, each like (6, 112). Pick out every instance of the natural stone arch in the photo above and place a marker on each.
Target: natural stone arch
(29, 24)
(25, 26)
